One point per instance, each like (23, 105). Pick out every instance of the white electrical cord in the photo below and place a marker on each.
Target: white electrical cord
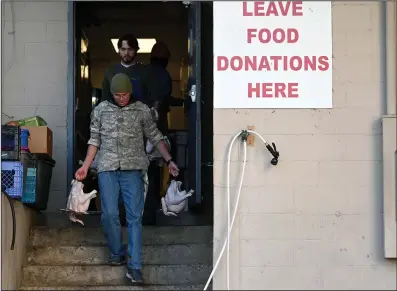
(230, 223)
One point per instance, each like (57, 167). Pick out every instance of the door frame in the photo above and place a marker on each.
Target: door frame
(71, 102)
(195, 107)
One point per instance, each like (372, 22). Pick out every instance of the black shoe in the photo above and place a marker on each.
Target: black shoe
(134, 275)
(117, 261)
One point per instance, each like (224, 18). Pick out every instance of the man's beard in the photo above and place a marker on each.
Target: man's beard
(127, 60)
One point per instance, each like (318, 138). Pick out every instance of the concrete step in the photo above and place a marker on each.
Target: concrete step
(77, 236)
(132, 288)
(104, 275)
(98, 255)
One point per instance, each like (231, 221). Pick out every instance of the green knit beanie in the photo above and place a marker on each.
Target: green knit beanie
(120, 84)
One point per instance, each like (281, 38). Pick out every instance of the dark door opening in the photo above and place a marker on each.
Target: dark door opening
(97, 26)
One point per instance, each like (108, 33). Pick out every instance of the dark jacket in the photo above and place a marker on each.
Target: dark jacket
(157, 88)
(133, 72)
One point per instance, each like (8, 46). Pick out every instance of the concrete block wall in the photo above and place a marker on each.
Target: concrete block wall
(314, 221)
(34, 75)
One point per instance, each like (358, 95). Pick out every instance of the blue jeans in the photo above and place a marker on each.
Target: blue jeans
(130, 185)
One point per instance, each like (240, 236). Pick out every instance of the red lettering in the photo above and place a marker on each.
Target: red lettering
(276, 60)
(245, 10)
(284, 9)
(273, 90)
(279, 90)
(265, 35)
(250, 34)
(264, 65)
(259, 8)
(292, 35)
(279, 35)
(236, 63)
(272, 63)
(293, 90)
(222, 63)
(273, 8)
(297, 8)
(285, 63)
(295, 63)
(309, 63)
(267, 90)
(324, 63)
(255, 90)
(251, 64)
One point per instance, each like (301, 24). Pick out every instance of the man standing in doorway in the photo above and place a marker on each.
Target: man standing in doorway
(128, 48)
(157, 83)
(118, 128)
(157, 87)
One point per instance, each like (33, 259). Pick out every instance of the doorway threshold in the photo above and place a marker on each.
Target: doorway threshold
(187, 218)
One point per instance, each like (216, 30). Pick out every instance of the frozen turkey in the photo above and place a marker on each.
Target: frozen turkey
(175, 199)
(78, 201)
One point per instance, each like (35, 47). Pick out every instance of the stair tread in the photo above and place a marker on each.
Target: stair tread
(108, 266)
(126, 287)
(95, 236)
(93, 219)
(97, 255)
(100, 275)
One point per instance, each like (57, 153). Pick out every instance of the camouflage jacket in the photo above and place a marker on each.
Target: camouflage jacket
(119, 134)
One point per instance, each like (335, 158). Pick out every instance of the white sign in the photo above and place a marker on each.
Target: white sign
(272, 54)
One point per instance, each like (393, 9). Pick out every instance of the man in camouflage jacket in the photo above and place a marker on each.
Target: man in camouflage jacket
(118, 128)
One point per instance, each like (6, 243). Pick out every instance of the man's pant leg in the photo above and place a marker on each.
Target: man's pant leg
(132, 189)
(109, 189)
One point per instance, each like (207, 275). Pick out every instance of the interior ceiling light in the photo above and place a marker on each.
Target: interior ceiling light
(145, 45)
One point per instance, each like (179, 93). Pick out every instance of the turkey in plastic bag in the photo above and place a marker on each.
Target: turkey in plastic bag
(175, 199)
(78, 201)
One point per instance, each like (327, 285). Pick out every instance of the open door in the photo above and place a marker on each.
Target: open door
(79, 91)
(83, 88)
(194, 108)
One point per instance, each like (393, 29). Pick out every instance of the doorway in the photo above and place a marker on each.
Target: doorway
(97, 27)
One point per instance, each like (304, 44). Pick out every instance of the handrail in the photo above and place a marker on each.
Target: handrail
(14, 226)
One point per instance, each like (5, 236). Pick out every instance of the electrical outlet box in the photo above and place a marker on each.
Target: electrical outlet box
(251, 137)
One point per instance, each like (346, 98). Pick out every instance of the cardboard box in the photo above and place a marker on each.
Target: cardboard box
(40, 140)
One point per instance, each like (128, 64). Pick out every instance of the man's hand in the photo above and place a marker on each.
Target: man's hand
(173, 168)
(81, 173)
